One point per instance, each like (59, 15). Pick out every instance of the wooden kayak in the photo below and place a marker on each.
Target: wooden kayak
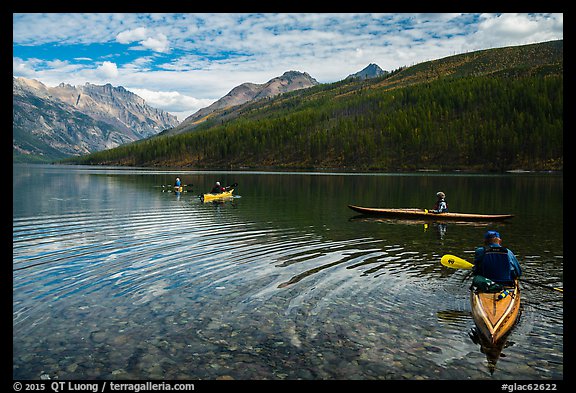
(212, 197)
(425, 214)
(495, 317)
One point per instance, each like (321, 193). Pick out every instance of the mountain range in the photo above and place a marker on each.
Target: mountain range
(55, 122)
(51, 123)
(490, 110)
(437, 114)
(247, 92)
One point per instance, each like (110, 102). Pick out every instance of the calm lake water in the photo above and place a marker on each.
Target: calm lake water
(114, 278)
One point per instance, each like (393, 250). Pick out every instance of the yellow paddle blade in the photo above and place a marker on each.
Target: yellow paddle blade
(454, 262)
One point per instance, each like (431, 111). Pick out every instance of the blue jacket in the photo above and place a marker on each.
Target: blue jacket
(496, 263)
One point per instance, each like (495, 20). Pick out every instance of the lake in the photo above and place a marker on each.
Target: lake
(115, 277)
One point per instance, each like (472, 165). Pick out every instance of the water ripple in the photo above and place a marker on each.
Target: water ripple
(205, 278)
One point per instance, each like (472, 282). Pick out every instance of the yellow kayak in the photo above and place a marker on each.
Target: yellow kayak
(212, 197)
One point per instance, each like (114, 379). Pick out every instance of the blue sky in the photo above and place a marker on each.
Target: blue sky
(184, 62)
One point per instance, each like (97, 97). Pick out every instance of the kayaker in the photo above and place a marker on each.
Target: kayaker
(217, 189)
(177, 183)
(495, 262)
(441, 205)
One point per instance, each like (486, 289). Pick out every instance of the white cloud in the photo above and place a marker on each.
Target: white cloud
(517, 29)
(133, 35)
(71, 28)
(25, 68)
(157, 44)
(107, 70)
(173, 101)
(509, 25)
(147, 38)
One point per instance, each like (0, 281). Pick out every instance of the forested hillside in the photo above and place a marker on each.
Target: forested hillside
(480, 111)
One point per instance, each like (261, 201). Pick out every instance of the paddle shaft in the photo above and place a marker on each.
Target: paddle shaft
(541, 285)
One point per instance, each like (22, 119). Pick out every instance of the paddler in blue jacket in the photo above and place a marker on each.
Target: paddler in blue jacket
(495, 262)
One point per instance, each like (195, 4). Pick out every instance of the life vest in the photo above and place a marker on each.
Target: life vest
(495, 265)
(438, 203)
